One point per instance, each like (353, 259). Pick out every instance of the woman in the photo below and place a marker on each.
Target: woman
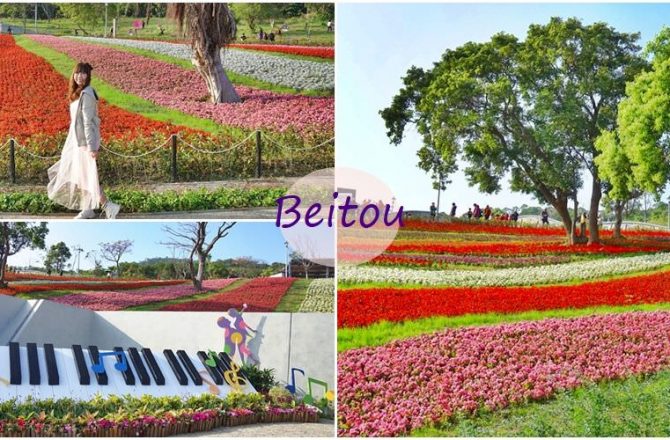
(73, 180)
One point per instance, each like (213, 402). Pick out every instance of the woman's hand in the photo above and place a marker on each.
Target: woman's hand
(94, 154)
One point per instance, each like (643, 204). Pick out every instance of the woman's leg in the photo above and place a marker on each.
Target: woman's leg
(103, 197)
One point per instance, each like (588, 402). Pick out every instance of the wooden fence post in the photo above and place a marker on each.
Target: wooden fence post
(173, 141)
(12, 161)
(259, 146)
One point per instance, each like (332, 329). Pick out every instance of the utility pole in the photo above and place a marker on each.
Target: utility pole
(105, 32)
(77, 250)
(35, 17)
(286, 269)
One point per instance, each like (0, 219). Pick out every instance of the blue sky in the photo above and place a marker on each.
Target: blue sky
(261, 240)
(377, 43)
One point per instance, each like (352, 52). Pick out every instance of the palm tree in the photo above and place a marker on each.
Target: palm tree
(211, 27)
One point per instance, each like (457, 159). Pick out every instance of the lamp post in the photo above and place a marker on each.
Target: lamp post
(286, 269)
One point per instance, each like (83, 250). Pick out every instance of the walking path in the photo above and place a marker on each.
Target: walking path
(325, 428)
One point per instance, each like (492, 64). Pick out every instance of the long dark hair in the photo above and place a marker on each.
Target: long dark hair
(74, 90)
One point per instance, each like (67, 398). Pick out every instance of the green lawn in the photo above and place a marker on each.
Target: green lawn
(634, 407)
(297, 34)
(385, 332)
(294, 297)
(64, 64)
(45, 295)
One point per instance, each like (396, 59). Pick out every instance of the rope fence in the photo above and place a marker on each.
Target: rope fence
(173, 142)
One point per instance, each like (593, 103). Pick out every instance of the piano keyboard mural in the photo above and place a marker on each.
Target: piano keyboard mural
(45, 372)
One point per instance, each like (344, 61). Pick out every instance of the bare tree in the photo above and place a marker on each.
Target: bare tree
(304, 253)
(211, 27)
(113, 252)
(193, 238)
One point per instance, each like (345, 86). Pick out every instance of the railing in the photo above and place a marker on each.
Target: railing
(174, 141)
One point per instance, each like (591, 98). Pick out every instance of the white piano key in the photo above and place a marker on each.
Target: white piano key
(7, 391)
(46, 391)
(67, 388)
(116, 384)
(171, 387)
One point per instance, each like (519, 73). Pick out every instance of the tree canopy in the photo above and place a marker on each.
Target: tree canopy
(530, 110)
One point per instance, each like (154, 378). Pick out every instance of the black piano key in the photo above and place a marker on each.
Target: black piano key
(82, 369)
(52, 368)
(33, 364)
(94, 354)
(176, 368)
(128, 375)
(14, 363)
(139, 366)
(228, 363)
(213, 371)
(153, 366)
(190, 368)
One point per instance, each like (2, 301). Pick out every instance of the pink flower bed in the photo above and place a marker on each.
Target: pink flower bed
(392, 389)
(259, 294)
(110, 301)
(171, 86)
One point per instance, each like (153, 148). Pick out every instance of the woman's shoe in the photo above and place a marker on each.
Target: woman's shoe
(111, 209)
(85, 214)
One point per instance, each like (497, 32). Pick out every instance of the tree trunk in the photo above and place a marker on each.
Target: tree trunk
(573, 224)
(618, 210)
(562, 207)
(209, 66)
(596, 195)
(197, 280)
(3, 266)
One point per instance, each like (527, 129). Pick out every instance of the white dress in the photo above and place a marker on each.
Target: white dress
(73, 180)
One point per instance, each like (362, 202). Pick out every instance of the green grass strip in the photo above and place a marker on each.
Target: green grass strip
(235, 78)
(637, 406)
(150, 201)
(64, 64)
(296, 294)
(383, 332)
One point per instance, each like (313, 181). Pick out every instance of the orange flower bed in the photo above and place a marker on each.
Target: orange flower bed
(34, 100)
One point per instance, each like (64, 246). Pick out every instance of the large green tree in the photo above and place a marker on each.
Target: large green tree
(531, 109)
(56, 258)
(640, 146)
(17, 236)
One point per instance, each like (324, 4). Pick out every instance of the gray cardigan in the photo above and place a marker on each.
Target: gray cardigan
(87, 124)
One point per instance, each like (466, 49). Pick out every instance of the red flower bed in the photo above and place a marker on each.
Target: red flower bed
(513, 248)
(310, 51)
(30, 288)
(259, 294)
(34, 100)
(507, 228)
(360, 307)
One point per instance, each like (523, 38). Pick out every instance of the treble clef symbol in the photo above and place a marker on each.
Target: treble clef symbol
(233, 379)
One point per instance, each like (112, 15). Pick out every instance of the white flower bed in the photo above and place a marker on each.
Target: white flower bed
(320, 296)
(525, 276)
(298, 74)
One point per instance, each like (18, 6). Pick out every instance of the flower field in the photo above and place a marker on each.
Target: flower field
(259, 294)
(455, 320)
(120, 300)
(298, 74)
(174, 87)
(320, 297)
(308, 51)
(139, 113)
